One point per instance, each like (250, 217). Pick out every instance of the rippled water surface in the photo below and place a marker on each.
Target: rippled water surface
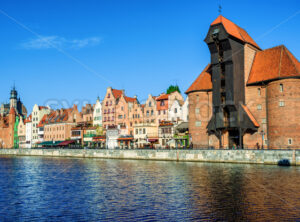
(65, 189)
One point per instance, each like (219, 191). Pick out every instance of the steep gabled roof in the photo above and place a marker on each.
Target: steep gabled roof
(272, 64)
(234, 30)
(117, 93)
(203, 81)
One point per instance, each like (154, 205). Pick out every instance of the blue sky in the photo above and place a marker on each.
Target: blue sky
(141, 46)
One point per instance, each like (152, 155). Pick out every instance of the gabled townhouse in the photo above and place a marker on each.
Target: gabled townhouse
(37, 114)
(28, 125)
(135, 115)
(164, 102)
(97, 114)
(22, 133)
(175, 112)
(150, 111)
(87, 113)
(109, 104)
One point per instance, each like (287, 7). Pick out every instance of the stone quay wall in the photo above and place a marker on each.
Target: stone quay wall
(218, 156)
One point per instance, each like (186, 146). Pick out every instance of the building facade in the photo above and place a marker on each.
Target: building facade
(97, 114)
(28, 126)
(38, 113)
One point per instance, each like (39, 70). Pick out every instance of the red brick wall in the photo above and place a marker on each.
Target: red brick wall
(284, 122)
(200, 111)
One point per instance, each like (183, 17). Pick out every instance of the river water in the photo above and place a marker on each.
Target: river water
(70, 189)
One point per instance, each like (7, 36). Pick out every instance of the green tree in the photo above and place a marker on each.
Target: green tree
(173, 88)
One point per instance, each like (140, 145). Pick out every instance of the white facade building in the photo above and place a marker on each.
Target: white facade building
(185, 110)
(175, 112)
(28, 126)
(37, 114)
(97, 114)
(112, 135)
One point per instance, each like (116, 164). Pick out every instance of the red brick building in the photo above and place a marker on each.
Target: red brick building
(246, 97)
(7, 129)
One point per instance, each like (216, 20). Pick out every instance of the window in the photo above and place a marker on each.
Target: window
(136, 131)
(264, 121)
(259, 91)
(162, 103)
(122, 108)
(197, 110)
(281, 87)
(147, 112)
(290, 141)
(158, 112)
(106, 103)
(198, 123)
(281, 103)
(259, 107)
(108, 96)
(175, 110)
(152, 112)
(164, 111)
(150, 104)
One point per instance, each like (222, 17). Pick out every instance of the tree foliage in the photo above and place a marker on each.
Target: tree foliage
(173, 88)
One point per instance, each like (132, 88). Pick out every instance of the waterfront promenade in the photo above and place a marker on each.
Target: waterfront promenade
(218, 156)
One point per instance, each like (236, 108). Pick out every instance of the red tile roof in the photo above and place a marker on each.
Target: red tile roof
(250, 116)
(274, 63)
(162, 97)
(234, 30)
(43, 121)
(43, 107)
(203, 81)
(129, 99)
(28, 119)
(117, 93)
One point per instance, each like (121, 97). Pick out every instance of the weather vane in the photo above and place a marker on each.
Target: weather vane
(220, 9)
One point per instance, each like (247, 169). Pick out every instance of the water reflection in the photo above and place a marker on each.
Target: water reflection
(119, 190)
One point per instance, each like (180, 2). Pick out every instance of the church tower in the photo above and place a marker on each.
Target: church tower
(13, 98)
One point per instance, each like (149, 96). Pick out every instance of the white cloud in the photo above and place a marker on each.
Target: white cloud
(48, 42)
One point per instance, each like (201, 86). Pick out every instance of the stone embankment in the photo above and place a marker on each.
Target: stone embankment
(218, 156)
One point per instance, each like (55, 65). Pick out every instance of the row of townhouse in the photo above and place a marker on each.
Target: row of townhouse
(45, 126)
(131, 123)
